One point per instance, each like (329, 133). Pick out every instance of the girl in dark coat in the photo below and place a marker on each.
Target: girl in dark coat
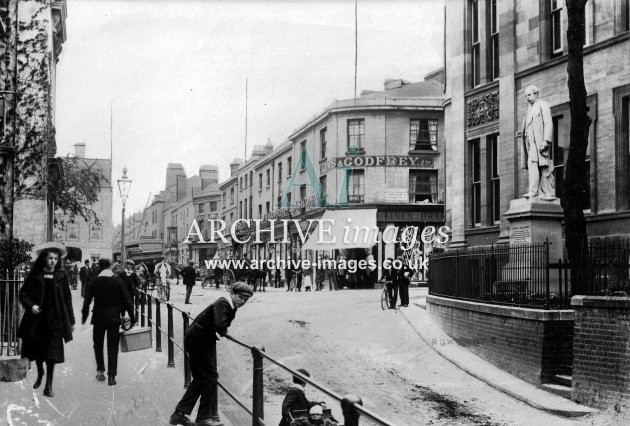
(48, 318)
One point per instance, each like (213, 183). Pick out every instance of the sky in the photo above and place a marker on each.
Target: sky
(173, 75)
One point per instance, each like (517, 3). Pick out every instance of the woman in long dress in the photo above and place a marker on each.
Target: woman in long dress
(48, 318)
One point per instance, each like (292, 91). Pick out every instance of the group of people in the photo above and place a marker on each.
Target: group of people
(295, 401)
(397, 282)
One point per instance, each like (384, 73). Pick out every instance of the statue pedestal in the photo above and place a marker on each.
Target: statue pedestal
(533, 221)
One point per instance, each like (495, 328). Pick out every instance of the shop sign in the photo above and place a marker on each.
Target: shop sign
(397, 196)
(410, 216)
(378, 161)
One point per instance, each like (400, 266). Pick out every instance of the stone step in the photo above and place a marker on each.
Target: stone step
(563, 379)
(560, 390)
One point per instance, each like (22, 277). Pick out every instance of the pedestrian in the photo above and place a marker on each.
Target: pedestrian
(320, 275)
(331, 274)
(295, 399)
(402, 282)
(109, 294)
(308, 277)
(48, 318)
(389, 275)
(189, 275)
(132, 281)
(95, 270)
(85, 274)
(277, 274)
(288, 274)
(298, 276)
(200, 344)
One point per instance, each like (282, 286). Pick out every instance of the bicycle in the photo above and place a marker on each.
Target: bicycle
(385, 300)
(163, 289)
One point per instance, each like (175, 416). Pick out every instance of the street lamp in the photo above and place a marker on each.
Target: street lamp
(124, 184)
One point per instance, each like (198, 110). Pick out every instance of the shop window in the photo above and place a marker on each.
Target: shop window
(322, 143)
(423, 186)
(475, 173)
(356, 134)
(423, 135)
(356, 186)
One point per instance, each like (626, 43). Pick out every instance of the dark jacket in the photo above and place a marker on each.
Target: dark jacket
(294, 400)
(189, 274)
(216, 318)
(32, 293)
(399, 276)
(132, 283)
(109, 294)
(85, 274)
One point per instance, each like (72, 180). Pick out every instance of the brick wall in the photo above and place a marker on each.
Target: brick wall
(601, 368)
(531, 344)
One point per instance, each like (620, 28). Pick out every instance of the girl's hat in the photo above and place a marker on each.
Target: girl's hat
(50, 246)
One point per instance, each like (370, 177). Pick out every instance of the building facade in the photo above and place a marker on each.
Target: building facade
(94, 239)
(494, 50)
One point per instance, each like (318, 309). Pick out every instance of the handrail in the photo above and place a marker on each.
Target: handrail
(350, 404)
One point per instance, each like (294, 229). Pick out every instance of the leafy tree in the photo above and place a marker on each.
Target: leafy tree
(14, 253)
(75, 194)
(574, 183)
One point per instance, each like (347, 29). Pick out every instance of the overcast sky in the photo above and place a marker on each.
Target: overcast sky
(175, 73)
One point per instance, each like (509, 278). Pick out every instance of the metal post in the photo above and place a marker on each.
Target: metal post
(142, 301)
(158, 326)
(171, 346)
(186, 358)
(149, 313)
(215, 401)
(350, 414)
(257, 391)
(137, 308)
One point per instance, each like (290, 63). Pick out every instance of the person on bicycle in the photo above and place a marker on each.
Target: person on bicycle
(200, 343)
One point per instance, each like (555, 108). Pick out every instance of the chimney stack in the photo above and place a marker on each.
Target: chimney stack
(79, 150)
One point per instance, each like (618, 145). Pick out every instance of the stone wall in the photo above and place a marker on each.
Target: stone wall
(601, 365)
(530, 344)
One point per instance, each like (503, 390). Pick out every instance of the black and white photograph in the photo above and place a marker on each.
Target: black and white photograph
(314, 213)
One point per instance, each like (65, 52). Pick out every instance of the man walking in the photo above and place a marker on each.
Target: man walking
(189, 274)
(200, 344)
(84, 275)
(109, 294)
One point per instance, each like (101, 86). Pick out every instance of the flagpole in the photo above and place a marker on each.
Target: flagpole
(356, 47)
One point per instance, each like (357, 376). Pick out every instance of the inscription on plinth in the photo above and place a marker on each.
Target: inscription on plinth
(520, 234)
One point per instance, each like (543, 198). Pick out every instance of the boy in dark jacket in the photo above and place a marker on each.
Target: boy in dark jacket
(295, 398)
(200, 344)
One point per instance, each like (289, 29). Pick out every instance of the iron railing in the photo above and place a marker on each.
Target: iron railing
(10, 312)
(351, 405)
(524, 275)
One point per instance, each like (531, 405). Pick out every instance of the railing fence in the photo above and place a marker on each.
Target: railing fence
(10, 312)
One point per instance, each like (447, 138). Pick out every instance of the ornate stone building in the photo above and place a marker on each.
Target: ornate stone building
(28, 59)
(494, 50)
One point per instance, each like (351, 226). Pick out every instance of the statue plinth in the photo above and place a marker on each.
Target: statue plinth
(534, 221)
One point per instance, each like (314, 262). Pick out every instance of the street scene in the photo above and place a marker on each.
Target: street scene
(314, 213)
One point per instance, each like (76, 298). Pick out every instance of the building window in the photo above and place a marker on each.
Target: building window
(267, 207)
(279, 201)
(302, 154)
(475, 173)
(423, 135)
(356, 134)
(494, 41)
(232, 196)
(240, 209)
(260, 181)
(475, 45)
(289, 168)
(494, 184)
(240, 183)
(622, 12)
(588, 23)
(556, 26)
(302, 192)
(268, 177)
(260, 211)
(423, 186)
(96, 232)
(621, 111)
(201, 208)
(356, 186)
(279, 172)
(322, 143)
(322, 184)
(214, 206)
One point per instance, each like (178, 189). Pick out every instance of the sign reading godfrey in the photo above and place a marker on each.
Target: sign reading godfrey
(377, 161)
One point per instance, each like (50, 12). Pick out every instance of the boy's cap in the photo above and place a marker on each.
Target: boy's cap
(242, 289)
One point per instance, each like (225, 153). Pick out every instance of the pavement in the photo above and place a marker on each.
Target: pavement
(419, 319)
(145, 394)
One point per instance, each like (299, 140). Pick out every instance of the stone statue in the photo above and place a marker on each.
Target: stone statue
(537, 134)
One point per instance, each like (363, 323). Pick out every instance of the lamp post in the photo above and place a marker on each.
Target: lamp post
(124, 184)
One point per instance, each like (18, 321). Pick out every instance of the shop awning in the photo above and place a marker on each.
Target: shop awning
(362, 231)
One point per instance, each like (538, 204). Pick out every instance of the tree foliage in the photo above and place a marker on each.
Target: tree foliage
(78, 190)
(14, 252)
(574, 182)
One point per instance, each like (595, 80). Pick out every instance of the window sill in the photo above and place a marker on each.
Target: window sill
(360, 151)
(424, 151)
